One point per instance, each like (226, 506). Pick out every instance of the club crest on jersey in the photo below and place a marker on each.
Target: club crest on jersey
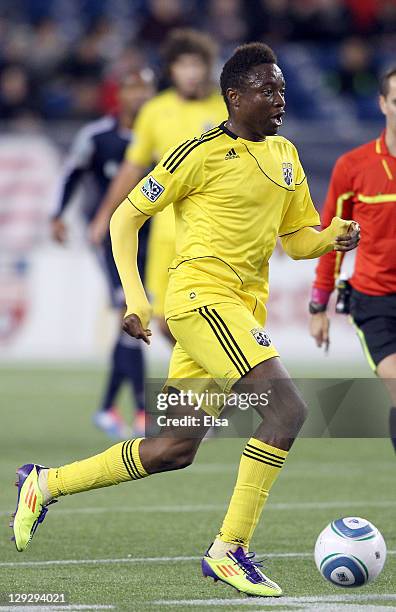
(261, 336)
(151, 189)
(287, 168)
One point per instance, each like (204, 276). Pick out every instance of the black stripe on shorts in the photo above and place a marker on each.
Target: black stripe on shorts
(227, 331)
(223, 340)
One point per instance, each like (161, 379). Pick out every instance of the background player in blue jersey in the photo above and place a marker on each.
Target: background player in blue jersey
(94, 159)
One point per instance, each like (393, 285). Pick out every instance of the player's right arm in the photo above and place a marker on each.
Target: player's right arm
(77, 163)
(339, 202)
(124, 228)
(169, 182)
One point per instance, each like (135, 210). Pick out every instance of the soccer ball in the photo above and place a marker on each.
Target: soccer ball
(350, 552)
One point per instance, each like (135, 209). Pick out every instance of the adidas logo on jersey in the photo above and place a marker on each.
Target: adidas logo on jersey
(232, 154)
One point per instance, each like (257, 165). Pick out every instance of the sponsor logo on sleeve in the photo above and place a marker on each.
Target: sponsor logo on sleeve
(287, 168)
(261, 336)
(151, 189)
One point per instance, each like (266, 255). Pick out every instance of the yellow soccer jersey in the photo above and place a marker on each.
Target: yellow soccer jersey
(232, 198)
(163, 122)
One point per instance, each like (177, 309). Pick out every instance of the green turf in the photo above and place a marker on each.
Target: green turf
(45, 417)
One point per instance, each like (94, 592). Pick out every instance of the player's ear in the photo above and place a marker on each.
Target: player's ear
(382, 104)
(233, 97)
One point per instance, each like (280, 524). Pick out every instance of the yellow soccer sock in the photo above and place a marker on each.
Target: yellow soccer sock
(259, 467)
(118, 463)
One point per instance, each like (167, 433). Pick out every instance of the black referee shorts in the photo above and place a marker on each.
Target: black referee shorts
(375, 319)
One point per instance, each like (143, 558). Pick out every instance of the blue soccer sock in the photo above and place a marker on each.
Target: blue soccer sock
(127, 365)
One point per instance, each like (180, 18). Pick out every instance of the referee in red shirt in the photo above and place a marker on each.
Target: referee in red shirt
(363, 188)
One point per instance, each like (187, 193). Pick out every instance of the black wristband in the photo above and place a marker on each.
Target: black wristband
(315, 307)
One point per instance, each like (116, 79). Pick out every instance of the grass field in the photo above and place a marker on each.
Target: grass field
(137, 546)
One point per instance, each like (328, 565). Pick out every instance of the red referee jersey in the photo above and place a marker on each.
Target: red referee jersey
(363, 188)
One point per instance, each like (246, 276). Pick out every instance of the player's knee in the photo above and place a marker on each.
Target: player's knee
(177, 454)
(301, 411)
(296, 415)
(183, 460)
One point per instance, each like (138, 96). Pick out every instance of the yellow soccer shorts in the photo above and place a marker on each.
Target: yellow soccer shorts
(216, 345)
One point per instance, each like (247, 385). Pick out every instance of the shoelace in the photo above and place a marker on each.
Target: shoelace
(249, 566)
(41, 516)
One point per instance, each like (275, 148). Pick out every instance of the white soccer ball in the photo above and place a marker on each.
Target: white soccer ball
(350, 552)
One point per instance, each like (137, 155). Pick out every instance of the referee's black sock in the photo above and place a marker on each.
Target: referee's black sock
(392, 426)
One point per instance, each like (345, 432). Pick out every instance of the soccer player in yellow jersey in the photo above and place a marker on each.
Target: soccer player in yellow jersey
(189, 107)
(234, 190)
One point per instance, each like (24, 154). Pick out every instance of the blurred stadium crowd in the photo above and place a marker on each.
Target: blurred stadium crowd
(60, 59)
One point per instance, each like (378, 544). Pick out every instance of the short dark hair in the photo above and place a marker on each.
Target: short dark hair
(186, 40)
(384, 81)
(244, 58)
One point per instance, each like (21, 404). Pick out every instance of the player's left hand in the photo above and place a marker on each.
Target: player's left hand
(132, 325)
(98, 229)
(348, 241)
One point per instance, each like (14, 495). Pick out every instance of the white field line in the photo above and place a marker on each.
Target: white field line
(215, 507)
(97, 561)
(329, 607)
(292, 472)
(54, 608)
(130, 559)
(276, 506)
(284, 601)
(292, 469)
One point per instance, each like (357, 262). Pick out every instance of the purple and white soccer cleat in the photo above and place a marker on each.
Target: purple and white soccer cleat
(30, 510)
